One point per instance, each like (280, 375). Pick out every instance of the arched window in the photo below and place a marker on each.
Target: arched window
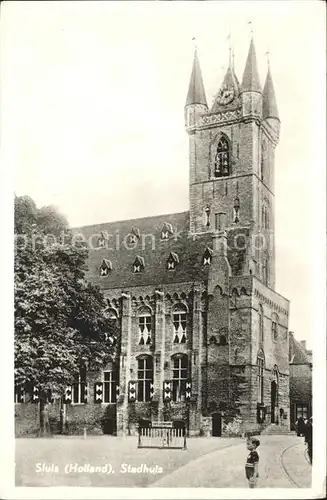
(261, 329)
(144, 378)
(180, 324)
(265, 217)
(222, 158)
(207, 217)
(222, 340)
(145, 326)
(274, 326)
(265, 268)
(260, 367)
(180, 369)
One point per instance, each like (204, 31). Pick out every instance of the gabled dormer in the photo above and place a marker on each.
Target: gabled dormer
(138, 264)
(172, 261)
(105, 268)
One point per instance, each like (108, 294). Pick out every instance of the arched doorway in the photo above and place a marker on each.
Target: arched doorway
(273, 400)
(216, 424)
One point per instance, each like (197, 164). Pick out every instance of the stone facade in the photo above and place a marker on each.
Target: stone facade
(193, 292)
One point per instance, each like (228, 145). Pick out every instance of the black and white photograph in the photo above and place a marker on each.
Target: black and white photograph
(163, 180)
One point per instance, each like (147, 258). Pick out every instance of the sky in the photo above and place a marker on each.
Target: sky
(93, 98)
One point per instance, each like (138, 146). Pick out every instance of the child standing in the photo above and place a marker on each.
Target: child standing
(252, 462)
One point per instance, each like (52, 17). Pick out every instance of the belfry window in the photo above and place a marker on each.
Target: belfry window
(222, 159)
(144, 378)
(179, 377)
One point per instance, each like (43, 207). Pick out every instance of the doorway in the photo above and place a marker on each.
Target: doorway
(216, 424)
(273, 401)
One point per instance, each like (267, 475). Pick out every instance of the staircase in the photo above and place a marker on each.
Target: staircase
(274, 429)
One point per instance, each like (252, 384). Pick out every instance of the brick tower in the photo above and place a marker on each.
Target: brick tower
(232, 163)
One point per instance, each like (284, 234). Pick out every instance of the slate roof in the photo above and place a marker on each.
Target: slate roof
(269, 104)
(251, 79)
(297, 354)
(154, 250)
(196, 93)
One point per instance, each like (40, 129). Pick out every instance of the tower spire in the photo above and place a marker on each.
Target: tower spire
(250, 81)
(269, 104)
(196, 93)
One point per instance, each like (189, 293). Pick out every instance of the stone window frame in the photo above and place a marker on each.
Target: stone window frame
(79, 388)
(274, 327)
(180, 367)
(142, 313)
(110, 384)
(265, 268)
(145, 371)
(261, 363)
(180, 334)
(261, 324)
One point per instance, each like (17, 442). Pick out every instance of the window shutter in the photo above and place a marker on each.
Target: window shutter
(151, 390)
(167, 388)
(68, 395)
(117, 391)
(188, 390)
(98, 392)
(35, 396)
(132, 391)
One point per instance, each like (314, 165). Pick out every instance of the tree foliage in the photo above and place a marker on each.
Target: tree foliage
(60, 318)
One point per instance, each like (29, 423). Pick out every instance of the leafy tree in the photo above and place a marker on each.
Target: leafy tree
(60, 321)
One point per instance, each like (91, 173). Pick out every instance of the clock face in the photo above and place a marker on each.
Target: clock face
(226, 95)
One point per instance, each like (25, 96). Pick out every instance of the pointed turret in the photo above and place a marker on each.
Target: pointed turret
(269, 105)
(251, 89)
(196, 93)
(196, 102)
(250, 81)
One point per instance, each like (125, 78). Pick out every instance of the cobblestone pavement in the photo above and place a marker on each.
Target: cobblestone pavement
(56, 452)
(282, 465)
(208, 462)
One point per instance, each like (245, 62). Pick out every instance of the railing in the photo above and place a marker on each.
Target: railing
(161, 435)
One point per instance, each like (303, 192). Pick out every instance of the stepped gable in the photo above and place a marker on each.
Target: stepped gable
(153, 249)
(297, 354)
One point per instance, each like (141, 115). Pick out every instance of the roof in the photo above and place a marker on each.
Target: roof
(269, 105)
(155, 251)
(297, 353)
(250, 79)
(196, 93)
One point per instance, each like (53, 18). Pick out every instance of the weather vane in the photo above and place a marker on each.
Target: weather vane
(268, 57)
(230, 47)
(251, 27)
(194, 43)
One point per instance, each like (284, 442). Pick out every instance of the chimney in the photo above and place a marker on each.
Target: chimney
(303, 344)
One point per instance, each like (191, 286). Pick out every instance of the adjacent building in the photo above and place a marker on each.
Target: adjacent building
(300, 360)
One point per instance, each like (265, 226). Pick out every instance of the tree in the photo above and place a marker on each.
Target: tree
(60, 321)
